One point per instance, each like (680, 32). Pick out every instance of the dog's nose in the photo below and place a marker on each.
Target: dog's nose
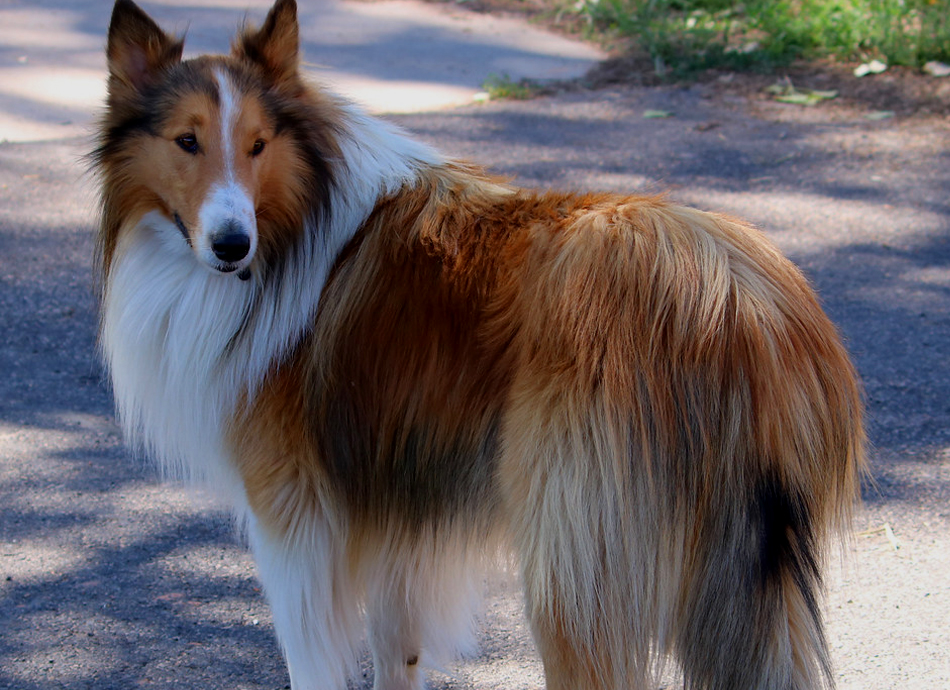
(231, 245)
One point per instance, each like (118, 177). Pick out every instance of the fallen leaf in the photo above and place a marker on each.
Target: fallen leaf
(805, 97)
(656, 114)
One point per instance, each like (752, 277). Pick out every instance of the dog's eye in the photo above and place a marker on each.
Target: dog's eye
(188, 142)
(258, 147)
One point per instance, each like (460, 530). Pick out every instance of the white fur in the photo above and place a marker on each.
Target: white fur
(421, 601)
(313, 599)
(184, 344)
(226, 203)
(229, 112)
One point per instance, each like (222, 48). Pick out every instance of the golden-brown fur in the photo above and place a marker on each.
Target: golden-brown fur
(629, 386)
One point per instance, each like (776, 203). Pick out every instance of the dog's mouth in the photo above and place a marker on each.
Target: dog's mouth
(243, 274)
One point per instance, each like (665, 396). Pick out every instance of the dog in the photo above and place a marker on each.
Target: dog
(399, 370)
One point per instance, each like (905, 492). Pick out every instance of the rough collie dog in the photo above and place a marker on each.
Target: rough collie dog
(396, 368)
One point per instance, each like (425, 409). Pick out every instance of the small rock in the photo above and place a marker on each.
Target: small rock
(937, 69)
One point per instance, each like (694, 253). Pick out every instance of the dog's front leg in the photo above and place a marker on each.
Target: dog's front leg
(395, 639)
(316, 614)
(421, 598)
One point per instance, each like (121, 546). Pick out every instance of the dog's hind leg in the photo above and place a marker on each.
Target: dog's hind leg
(315, 607)
(588, 558)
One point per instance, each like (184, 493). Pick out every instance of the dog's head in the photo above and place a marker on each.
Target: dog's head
(233, 150)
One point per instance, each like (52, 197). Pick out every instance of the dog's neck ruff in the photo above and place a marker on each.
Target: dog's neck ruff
(184, 344)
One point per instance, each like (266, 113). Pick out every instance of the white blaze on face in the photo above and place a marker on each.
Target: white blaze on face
(227, 237)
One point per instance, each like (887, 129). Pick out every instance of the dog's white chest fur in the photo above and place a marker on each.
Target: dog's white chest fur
(169, 329)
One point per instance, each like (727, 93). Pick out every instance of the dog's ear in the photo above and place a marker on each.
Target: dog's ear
(137, 50)
(275, 46)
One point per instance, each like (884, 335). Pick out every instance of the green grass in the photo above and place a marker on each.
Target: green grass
(683, 36)
(504, 87)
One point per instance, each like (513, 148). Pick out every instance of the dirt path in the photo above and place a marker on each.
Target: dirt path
(109, 579)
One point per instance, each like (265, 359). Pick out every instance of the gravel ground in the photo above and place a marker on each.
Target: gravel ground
(110, 579)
